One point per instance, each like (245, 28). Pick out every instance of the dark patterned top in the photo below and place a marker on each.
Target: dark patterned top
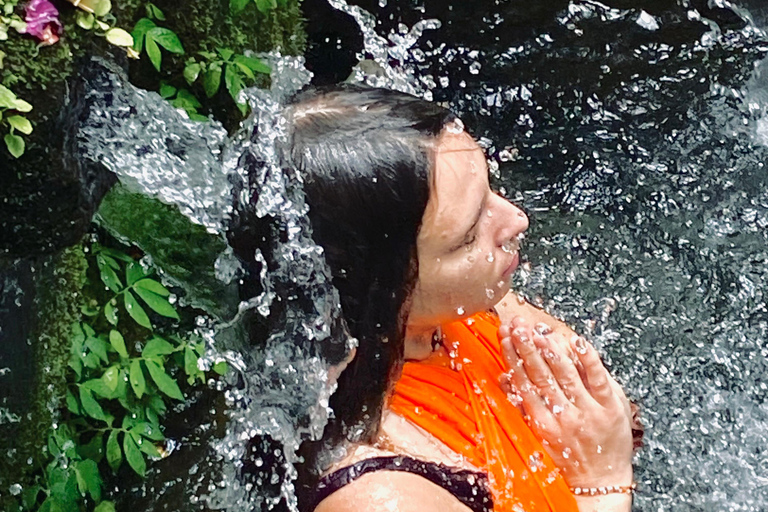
(469, 487)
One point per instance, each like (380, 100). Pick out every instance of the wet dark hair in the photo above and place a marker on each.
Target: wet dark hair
(365, 156)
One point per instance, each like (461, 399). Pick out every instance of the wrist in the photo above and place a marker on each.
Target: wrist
(604, 503)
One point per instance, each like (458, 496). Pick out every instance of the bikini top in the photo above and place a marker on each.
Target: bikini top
(469, 487)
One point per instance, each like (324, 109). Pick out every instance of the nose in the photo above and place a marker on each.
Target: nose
(512, 221)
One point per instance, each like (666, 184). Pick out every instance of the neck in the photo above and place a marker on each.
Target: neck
(418, 341)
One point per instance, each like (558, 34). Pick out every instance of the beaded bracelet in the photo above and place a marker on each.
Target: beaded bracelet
(598, 491)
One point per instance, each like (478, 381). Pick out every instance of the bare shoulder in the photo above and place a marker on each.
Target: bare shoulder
(387, 491)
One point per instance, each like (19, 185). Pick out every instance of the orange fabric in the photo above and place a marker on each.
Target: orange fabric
(457, 399)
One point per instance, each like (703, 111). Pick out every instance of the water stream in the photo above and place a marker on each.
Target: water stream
(634, 135)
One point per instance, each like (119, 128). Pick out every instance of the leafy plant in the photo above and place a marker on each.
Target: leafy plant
(184, 99)
(16, 121)
(235, 6)
(9, 20)
(123, 375)
(235, 68)
(99, 18)
(148, 36)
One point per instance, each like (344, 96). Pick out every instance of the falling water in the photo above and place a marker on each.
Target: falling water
(640, 160)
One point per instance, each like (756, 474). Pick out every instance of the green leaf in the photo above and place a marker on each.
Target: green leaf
(85, 20)
(235, 6)
(118, 343)
(21, 124)
(114, 453)
(29, 498)
(108, 274)
(109, 378)
(155, 12)
(253, 64)
(164, 381)
(91, 360)
(98, 347)
(99, 387)
(212, 79)
(166, 91)
(114, 253)
(133, 455)
(88, 330)
(102, 7)
(147, 430)
(21, 105)
(265, 5)
(245, 70)
(190, 362)
(191, 72)
(72, 404)
(153, 51)
(7, 97)
(135, 271)
(105, 506)
(136, 378)
(157, 346)
(109, 260)
(15, 144)
(166, 38)
(159, 305)
(88, 309)
(110, 312)
(90, 405)
(139, 32)
(88, 473)
(150, 284)
(233, 81)
(225, 53)
(94, 449)
(136, 311)
(119, 37)
(149, 448)
(221, 367)
(157, 404)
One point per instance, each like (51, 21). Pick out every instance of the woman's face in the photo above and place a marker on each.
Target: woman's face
(469, 240)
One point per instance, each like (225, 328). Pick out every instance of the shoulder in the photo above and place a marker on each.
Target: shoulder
(386, 491)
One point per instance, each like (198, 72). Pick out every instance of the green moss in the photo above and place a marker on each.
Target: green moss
(184, 251)
(58, 291)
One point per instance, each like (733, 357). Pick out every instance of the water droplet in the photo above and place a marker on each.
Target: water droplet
(490, 293)
(474, 68)
(536, 461)
(567, 453)
(489, 257)
(460, 310)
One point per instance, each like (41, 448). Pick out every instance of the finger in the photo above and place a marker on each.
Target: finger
(564, 370)
(597, 376)
(525, 395)
(538, 370)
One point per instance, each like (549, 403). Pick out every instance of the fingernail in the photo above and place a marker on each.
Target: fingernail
(581, 345)
(521, 334)
(542, 328)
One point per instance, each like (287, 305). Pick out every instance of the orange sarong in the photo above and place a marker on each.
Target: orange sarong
(457, 399)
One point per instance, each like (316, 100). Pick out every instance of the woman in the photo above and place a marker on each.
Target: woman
(420, 249)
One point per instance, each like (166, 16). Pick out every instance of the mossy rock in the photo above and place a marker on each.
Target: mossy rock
(45, 204)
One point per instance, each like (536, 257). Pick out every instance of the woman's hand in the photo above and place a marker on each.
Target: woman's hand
(574, 405)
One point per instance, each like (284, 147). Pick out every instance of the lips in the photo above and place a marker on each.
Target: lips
(513, 265)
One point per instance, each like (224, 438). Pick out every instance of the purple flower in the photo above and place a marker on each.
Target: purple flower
(43, 21)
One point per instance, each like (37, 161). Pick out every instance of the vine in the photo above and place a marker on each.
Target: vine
(123, 373)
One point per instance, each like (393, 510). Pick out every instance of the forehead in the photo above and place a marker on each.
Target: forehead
(459, 184)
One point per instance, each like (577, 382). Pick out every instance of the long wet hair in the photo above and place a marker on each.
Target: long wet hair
(365, 156)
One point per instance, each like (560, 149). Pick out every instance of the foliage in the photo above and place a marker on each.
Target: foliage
(148, 36)
(235, 68)
(262, 5)
(16, 121)
(123, 375)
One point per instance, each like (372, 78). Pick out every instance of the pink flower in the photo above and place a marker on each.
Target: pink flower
(43, 21)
